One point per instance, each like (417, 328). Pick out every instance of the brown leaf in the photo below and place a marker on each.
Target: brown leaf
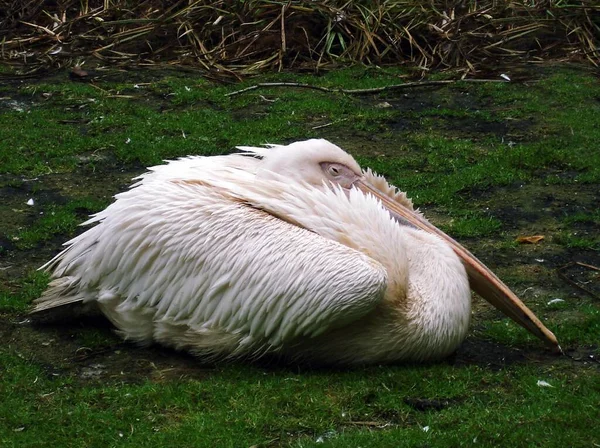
(78, 74)
(532, 239)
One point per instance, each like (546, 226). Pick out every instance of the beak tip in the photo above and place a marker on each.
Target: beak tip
(549, 339)
(555, 348)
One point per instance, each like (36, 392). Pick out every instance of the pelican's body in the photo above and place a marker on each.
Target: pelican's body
(278, 253)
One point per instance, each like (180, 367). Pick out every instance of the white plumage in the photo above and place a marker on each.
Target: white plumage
(271, 251)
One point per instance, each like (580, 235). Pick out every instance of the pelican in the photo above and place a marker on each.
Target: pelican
(290, 250)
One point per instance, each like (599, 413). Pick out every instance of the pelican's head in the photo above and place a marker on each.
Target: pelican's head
(319, 162)
(316, 162)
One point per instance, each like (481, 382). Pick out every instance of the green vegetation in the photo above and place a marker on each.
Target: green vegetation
(473, 225)
(234, 405)
(56, 220)
(29, 288)
(487, 162)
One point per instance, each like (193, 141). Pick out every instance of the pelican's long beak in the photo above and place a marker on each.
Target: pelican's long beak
(483, 281)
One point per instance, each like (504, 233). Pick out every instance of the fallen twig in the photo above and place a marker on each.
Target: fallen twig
(370, 424)
(278, 84)
(561, 274)
(85, 353)
(329, 124)
(406, 85)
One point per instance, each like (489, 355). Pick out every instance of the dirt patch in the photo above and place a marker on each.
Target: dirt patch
(425, 404)
(25, 200)
(417, 101)
(62, 350)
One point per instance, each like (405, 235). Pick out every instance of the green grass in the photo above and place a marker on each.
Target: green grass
(29, 287)
(473, 225)
(489, 161)
(592, 217)
(56, 220)
(577, 324)
(71, 119)
(234, 405)
(574, 241)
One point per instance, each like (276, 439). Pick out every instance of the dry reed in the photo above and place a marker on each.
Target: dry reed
(243, 37)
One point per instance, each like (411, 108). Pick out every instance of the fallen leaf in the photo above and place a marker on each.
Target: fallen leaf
(533, 239)
(77, 73)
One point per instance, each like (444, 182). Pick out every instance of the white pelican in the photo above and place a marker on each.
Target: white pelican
(292, 250)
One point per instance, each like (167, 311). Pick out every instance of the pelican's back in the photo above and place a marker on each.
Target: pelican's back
(178, 261)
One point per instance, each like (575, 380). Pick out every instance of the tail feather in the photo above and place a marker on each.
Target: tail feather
(61, 292)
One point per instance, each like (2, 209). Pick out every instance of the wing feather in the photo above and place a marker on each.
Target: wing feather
(188, 256)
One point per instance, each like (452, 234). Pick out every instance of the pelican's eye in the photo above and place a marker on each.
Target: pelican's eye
(339, 174)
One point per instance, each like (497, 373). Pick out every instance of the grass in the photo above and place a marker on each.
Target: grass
(574, 241)
(28, 288)
(491, 163)
(304, 409)
(56, 220)
(301, 409)
(473, 225)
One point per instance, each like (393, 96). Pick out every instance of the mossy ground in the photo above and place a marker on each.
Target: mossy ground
(487, 162)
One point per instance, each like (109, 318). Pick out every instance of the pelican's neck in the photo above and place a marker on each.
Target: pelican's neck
(439, 297)
(426, 309)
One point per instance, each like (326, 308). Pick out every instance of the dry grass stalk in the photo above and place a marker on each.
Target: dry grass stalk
(259, 35)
